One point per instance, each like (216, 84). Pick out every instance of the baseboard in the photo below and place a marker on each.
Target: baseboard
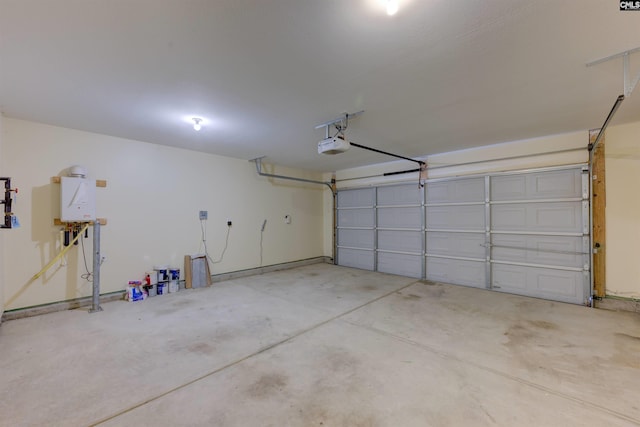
(619, 304)
(72, 304)
(270, 268)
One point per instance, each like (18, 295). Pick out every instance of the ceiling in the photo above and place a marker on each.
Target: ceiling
(438, 76)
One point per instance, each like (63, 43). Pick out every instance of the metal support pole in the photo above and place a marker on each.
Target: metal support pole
(423, 227)
(628, 84)
(375, 228)
(95, 303)
(487, 232)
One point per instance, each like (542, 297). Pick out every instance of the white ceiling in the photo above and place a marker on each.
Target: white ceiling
(439, 76)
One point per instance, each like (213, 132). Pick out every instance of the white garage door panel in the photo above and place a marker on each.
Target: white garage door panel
(400, 241)
(468, 217)
(457, 272)
(558, 285)
(565, 217)
(356, 238)
(400, 218)
(356, 258)
(466, 245)
(356, 198)
(399, 195)
(566, 251)
(355, 218)
(456, 191)
(403, 265)
(519, 232)
(542, 185)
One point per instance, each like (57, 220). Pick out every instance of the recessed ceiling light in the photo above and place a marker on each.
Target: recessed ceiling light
(392, 7)
(197, 123)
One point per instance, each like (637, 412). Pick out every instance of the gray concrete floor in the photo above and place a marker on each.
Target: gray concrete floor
(323, 346)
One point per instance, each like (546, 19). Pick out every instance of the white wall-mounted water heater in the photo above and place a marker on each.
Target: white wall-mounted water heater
(77, 196)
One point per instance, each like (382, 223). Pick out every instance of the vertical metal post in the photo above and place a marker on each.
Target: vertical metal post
(375, 228)
(335, 224)
(487, 229)
(423, 222)
(95, 304)
(587, 241)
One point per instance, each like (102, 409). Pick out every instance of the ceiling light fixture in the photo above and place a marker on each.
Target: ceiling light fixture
(196, 123)
(392, 7)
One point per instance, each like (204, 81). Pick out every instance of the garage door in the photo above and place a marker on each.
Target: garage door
(455, 231)
(540, 234)
(521, 232)
(356, 228)
(381, 229)
(399, 230)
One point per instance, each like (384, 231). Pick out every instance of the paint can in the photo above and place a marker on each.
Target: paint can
(162, 273)
(173, 286)
(162, 288)
(174, 277)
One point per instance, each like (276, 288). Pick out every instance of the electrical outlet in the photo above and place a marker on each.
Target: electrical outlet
(204, 215)
(229, 223)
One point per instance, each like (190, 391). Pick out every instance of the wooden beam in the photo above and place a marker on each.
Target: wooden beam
(99, 182)
(188, 278)
(57, 221)
(598, 228)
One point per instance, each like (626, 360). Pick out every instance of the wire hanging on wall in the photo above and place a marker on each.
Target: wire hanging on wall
(203, 230)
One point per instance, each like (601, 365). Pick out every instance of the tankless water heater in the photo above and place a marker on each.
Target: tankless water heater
(78, 199)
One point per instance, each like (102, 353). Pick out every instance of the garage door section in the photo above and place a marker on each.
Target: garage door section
(456, 231)
(356, 228)
(524, 232)
(399, 230)
(540, 234)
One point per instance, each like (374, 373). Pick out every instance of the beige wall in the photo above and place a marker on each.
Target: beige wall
(151, 202)
(623, 186)
(622, 154)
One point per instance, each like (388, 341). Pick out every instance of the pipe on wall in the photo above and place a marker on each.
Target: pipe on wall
(258, 162)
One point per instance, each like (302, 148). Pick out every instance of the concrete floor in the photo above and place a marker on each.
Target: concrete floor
(323, 346)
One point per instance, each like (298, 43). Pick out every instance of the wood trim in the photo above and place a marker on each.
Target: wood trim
(188, 274)
(57, 221)
(598, 228)
(99, 182)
